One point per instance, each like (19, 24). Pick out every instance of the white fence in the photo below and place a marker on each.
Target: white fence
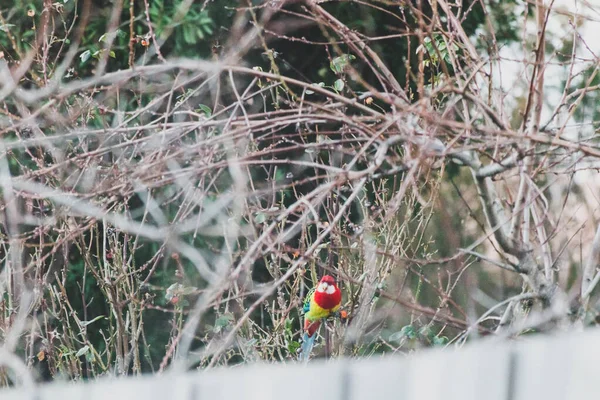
(547, 368)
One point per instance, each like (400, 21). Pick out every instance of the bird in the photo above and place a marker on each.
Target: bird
(321, 302)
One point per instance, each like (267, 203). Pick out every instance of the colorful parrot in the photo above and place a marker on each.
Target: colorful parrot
(320, 303)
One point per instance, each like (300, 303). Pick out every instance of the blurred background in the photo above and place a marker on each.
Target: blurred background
(176, 175)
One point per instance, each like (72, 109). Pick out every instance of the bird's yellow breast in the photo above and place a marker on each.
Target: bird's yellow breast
(317, 312)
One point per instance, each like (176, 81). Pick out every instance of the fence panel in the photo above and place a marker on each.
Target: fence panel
(273, 382)
(384, 378)
(564, 367)
(473, 373)
(541, 368)
(538, 368)
(584, 370)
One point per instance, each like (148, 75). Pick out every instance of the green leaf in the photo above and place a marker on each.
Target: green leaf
(85, 56)
(338, 64)
(440, 341)
(426, 333)
(173, 291)
(222, 321)
(118, 33)
(89, 356)
(188, 36)
(293, 347)
(82, 351)
(288, 324)
(338, 85)
(205, 109)
(259, 218)
(320, 84)
(86, 323)
(64, 351)
(178, 290)
(182, 303)
(280, 174)
(407, 331)
(187, 290)
(6, 27)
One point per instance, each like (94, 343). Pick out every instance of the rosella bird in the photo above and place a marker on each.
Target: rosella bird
(320, 303)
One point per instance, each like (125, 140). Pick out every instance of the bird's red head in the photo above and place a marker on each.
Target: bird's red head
(328, 295)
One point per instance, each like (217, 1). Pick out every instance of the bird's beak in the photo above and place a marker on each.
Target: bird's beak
(323, 286)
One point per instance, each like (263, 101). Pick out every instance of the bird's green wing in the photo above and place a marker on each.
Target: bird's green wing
(309, 296)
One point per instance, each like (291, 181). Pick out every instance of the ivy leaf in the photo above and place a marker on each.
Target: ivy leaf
(338, 85)
(320, 84)
(177, 290)
(187, 290)
(338, 64)
(407, 331)
(440, 341)
(222, 321)
(426, 333)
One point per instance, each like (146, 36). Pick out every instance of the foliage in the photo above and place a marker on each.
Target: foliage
(176, 175)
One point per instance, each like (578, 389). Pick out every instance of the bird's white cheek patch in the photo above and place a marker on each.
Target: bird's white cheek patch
(322, 288)
(330, 289)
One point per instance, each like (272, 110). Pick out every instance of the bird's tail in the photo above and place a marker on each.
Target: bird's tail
(307, 344)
